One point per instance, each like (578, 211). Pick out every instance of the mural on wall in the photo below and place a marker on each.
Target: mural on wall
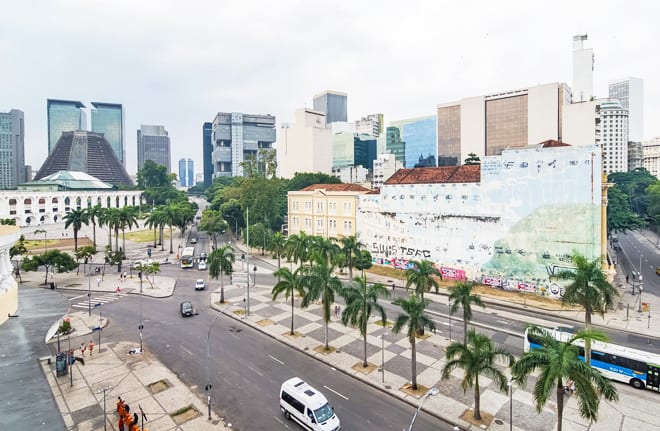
(513, 230)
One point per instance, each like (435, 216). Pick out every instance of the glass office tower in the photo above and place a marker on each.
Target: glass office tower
(12, 149)
(153, 143)
(207, 149)
(63, 116)
(190, 171)
(333, 104)
(183, 178)
(108, 118)
(420, 137)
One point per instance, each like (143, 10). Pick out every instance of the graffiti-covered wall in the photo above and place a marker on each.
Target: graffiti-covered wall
(532, 208)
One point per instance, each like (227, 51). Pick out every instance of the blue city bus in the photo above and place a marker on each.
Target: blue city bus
(637, 368)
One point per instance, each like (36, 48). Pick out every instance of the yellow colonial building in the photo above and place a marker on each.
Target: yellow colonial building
(326, 210)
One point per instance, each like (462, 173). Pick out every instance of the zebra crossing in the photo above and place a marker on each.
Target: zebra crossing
(96, 301)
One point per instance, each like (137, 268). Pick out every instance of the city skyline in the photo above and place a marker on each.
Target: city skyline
(174, 77)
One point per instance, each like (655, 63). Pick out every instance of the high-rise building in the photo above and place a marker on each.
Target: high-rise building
(236, 137)
(108, 118)
(364, 151)
(395, 145)
(63, 116)
(635, 155)
(12, 149)
(333, 104)
(486, 125)
(190, 173)
(583, 70)
(207, 150)
(370, 125)
(182, 172)
(630, 92)
(420, 136)
(153, 143)
(651, 151)
(305, 146)
(384, 167)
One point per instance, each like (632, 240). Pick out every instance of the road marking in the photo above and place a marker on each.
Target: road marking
(335, 392)
(275, 359)
(504, 322)
(76, 297)
(187, 351)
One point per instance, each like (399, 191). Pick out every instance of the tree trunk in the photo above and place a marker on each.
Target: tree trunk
(587, 342)
(465, 329)
(109, 237)
(171, 250)
(364, 363)
(222, 288)
(292, 304)
(75, 240)
(477, 400)
(123, 239)
(414, 363)
(560, 404)
(117, 238)
(94, 232)
(155, 240)
(325, 321)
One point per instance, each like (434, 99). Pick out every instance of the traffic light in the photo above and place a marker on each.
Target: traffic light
(140, 275)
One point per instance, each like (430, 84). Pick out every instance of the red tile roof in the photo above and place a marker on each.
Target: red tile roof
(336, 188)
(552, 143)
(445, 174)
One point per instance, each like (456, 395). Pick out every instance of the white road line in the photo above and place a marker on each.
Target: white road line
(504, 322)
(187, 351)
(80, 306)
(76, 297)
(335, 392)
(275, 359)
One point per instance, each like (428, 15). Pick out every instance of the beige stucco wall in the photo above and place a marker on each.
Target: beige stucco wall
(8, 286)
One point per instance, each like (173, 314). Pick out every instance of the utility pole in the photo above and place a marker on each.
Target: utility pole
(247, 258)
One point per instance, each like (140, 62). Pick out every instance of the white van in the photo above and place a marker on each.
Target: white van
(307, 406)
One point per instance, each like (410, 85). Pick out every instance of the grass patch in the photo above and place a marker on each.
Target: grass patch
(385, 324)
(184, 414)
(147, 235)
(159, 386)
(31, 244)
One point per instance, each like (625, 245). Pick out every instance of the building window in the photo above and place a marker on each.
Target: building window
(319, 207)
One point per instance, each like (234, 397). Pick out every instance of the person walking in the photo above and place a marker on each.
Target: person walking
(120, 406)
(118, 291)
(82, 349)
(120, 425)
(90, 346)
(339, 311)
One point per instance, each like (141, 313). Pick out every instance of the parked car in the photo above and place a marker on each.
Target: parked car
(202, 265)
(200, 285)
(186, 308)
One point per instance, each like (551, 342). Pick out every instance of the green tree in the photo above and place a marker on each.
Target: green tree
(156, 221)
(414, 318)
(460, 295)
(152, 174)
(590, 289)
(93, 216)
(478, 356)
(278, 247)
(350, 247)
(472, 159)
(558, 363)
(303, 179)
(51, 259)
(325, 248)
(75, 218)
(84, 252)
(363, 261)
(150, 269)
(620, 218)
(289, 283)
(213, 224)
(127, 219)
(221, 261)
(361, 302)
(321, 284)
(18, 249)
(298, 247)
(421, 275)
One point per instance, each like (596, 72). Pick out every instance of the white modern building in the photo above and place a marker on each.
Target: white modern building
(305, 146)
(384, 167)
(583, 70)
(351, 174)
(651, 156)
(630, 92)
(372, 124)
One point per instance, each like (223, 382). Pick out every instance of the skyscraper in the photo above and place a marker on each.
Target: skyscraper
(182, 172)
(108, 118)
(614, 128)
(583, 70)
(12, 152)
(333, 104)
(190, 177)
(630, 92)
(153, 144)
(420, 136)
(207, 149)
(63, 116)
(237, 136)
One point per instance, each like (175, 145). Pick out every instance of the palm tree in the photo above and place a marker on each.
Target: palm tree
(103, 218)
(421, 276)
(558, 363)
(93, 213)
(590, 289)
(321, 284)
(290, 283)
(40, 231)
(416, 320)
(75, 218)
(221, 261)
(278, 247)
(361, 301)
(478, 356)
(127, 219)
(171, 215)
(350, 247)
(156, 221)
(323, 247)
(297, 247)
(460, 295)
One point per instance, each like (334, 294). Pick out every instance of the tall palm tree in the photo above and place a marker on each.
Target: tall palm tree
(478, 356)
(103, 218)
(321, 284)
(416, 320)
(460, 295)
(114, 222)
(421, 276)
(290, 283)
(155, 221)
(325, 248)
(171, 215)
(127, 219)
(559, 362)
(590, 289)
(361, 301)
(221, 261)
(75, 218)
(350, 247)
(278, 247)
(93, 214)
(297, 247)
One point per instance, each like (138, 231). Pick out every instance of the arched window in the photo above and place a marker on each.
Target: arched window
(42, 201)
(117, 202)
(12, 201)
(27, 201)
(54, 201)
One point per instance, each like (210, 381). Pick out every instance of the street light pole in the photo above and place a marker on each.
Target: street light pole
(449, 316)
(140, 325)
(510, 384)
(105, 417)
(247, 258)
(208, 366)
(89, 294)
(382, 355)
(432, 391)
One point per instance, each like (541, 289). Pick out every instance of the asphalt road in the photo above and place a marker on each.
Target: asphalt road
(635, 251)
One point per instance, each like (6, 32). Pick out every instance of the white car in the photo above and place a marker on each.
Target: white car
(202, 265)
(145, 262)
(200, 285)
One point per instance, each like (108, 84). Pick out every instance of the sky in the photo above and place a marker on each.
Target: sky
(178, 63)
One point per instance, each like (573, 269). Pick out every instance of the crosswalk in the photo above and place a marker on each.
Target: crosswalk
(97, 300)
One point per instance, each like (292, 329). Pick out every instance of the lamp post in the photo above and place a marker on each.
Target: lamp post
(140, 325)
(105, 417)
(247, 259)
(431, 392)
(382, 354)
(449, 316)
(89, 294)
(639, 310)
(510, 384)
(254, 283)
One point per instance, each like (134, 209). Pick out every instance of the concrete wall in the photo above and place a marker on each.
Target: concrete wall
(8, 286)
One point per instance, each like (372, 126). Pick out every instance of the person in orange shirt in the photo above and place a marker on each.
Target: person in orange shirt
(90, 346)
(120, 406)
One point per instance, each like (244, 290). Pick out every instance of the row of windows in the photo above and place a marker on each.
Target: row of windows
(332, 224)
(67, 201)
(293, 402)
(332, 206)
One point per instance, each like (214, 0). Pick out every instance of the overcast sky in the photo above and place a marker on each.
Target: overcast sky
(178, 63)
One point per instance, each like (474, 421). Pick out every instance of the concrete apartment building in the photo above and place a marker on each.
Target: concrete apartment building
(153, 143)
(305, 146)
(333, 104)
(327, 210)
(651, 156)
(12, 149)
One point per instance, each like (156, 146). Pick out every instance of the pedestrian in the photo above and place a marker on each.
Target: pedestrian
(82, 349)
(118, 290)
(135, 418)
(338, 311)
(90, 346)
(120, 406)
(125, 276)
(121, 423)
(627, 277)
(334, 311)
